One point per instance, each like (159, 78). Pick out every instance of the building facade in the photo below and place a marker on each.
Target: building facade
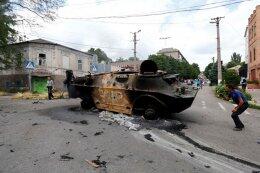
(171, 52)
(254, 44)
(50, 59)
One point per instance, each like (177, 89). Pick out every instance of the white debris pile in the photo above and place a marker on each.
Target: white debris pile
(121, 119)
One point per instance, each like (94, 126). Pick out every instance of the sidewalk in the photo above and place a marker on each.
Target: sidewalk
(255, 94)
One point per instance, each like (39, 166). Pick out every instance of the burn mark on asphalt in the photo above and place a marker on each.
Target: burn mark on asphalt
(211, 150)
(11, 151)
(35, 124)
(149, 137)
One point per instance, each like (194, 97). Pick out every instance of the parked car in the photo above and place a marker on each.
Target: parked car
(146, 93)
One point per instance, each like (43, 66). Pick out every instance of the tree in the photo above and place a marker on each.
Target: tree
(132, 58)
(10, 17)
(171, 65)
(235, 60)
(120, 59)
(211, 73)
(243, 70)
(102, 56)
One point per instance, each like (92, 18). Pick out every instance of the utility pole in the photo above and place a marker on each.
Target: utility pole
(165, 39)
(216, 21)
(135, 42)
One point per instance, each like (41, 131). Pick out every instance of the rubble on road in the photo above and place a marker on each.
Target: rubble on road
(121, 119)
(66, 157)
(149, 137)
(97, 163)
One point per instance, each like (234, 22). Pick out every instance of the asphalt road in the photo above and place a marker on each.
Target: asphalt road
(51, 136)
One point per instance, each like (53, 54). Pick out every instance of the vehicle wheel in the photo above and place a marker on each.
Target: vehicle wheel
(86, 104)
(151, 112)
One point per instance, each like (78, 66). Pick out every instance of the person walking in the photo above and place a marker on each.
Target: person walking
(50, 88)
(242, 105)
(244, 83)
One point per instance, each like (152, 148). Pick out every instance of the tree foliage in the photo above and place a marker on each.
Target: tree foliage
(231, 78)
(234, 61)
(102, 56)
(171, 65)
(211, 72)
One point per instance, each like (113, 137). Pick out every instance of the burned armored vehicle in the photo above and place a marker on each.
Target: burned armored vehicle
(149, 93)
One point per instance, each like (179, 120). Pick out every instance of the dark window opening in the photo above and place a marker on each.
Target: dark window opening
(42, 59)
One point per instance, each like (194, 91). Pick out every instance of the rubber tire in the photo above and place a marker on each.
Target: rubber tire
(86, 105)
(151, 111)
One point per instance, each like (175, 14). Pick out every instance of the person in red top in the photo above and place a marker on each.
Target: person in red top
(242, 105)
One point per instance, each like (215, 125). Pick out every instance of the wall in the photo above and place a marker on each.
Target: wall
(254, 43)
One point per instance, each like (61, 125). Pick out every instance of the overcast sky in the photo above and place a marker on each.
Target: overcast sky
(190, 31)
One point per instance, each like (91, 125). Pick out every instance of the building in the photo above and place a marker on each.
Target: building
(50, 59)
(173, 53)
(97, 67)
(126, 65)
(254, 44)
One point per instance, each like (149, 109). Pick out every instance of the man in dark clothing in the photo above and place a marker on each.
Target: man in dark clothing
(50, 88)
(242, 105)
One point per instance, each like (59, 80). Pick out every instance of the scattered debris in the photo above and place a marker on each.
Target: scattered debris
(258, 141)
(67, 143)
(255, 171)
(121, 119)
(37, 102)
(11, 151)
(97, 163)
(98, 133)
(53, 153)
(121, 156)
(83, 135)
(191, 154)
(179, 150)
(207, 166)
(35, 124)
(150, 161)
(84, 122)
(66, 157)
(149, 137)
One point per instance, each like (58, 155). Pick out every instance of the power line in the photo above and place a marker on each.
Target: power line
(61, 41)
(96, 2)
(190, 9)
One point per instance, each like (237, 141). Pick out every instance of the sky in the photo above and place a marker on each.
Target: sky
(190, 31)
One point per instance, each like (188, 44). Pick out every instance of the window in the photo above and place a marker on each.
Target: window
(79, 64)
(42, 59)
(250, 56)
(254, 54)
(66, 62)
(255, 30)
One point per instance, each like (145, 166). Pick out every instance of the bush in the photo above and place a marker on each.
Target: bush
(222, 92)
(231, 78)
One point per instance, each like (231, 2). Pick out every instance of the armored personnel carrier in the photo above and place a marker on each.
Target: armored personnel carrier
(148, 92)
